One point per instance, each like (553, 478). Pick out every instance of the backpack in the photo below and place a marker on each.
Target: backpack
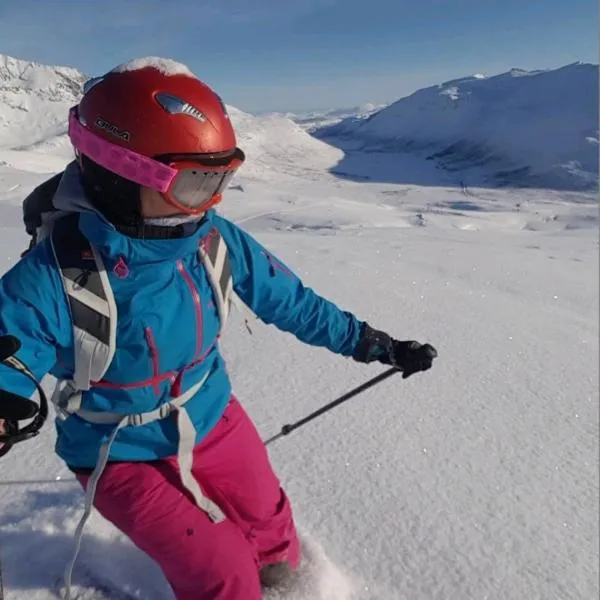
(89, 293)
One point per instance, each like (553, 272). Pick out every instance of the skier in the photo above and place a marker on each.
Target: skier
(122, 297)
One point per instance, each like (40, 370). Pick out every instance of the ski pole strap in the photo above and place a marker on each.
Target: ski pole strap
(287, 429)
(15, 434)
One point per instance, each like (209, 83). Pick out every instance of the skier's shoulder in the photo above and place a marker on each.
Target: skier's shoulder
(40, 201)
(232, 234)
(236, 238)
(38, 262)
(222, 224)
(34, 276)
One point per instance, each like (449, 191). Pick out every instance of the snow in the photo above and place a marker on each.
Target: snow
(475, 480)
(518, 127)
(313, 120)
(166, 66)
(33, 101)
(276, 143)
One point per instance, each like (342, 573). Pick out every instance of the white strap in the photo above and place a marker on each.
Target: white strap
(66, 398)
(90, 494)
(136, 420)
(185, 460)
(214, 280)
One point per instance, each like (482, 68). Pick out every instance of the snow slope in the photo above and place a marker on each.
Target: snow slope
(276, 143)
(313, 120)
(535, 128)
(478, 479)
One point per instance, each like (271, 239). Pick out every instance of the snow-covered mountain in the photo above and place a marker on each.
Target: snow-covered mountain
(525, 128)
(520, 127)
(35, 99)
(313, 120)
(276, 143)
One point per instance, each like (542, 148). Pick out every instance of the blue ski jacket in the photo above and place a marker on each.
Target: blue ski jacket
(167, 318)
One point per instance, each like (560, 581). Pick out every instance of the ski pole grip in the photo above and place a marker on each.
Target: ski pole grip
(9, 345)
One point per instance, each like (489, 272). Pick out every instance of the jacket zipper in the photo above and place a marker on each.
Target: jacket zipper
(154, 358)
(199, 318)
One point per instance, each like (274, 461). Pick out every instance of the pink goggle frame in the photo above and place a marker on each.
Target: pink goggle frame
(126, 163)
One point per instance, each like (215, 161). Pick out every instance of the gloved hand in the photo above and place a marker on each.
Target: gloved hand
(408, 356)
(13, 408)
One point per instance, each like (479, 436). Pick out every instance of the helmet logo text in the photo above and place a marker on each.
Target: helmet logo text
(113, 129)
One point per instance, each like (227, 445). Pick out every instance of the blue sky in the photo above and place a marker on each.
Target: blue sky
(263, 55)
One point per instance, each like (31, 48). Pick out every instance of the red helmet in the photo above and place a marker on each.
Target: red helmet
(152, 119)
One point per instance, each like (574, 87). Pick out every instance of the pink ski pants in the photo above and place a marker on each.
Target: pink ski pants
(203, 560)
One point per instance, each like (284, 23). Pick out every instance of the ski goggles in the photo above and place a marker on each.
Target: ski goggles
(192, 183)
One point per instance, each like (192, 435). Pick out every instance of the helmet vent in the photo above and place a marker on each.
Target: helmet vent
(176, 106)
(90, 83)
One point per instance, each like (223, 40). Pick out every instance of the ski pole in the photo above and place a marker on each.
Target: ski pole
(287, 429)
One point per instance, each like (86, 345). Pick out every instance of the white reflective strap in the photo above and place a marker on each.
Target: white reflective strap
(90, 494)
(138, 419)
(214, 278)
(185, 457)
(228, 292)
(66, 398)
(101, 364)
(92, 356)
(219, 260)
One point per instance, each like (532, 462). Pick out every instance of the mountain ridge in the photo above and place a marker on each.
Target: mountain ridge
(515, 128)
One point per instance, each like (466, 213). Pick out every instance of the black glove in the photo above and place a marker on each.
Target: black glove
(13, 408)
(16, 408)
(408, 356)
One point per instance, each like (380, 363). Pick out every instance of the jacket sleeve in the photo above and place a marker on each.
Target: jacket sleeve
(279, 297)
(32, 308)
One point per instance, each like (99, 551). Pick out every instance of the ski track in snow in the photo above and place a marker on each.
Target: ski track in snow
(476, 480)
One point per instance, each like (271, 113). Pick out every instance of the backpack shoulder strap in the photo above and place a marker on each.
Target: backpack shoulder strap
(213, 252)
(91, 301)
(215, 256)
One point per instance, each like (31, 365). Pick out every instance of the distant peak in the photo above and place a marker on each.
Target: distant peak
(516, 72)
(11, 62)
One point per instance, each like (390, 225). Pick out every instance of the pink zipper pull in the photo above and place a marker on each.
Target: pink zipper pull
(176, 387)
(121, 270)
